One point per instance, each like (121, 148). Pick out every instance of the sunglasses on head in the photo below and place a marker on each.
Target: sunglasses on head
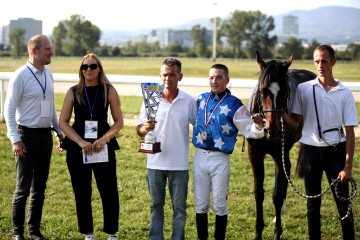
(91, 66)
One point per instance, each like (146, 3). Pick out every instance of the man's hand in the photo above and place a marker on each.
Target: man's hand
(60, 139)
(258, 120)
(19, 149)
(345, 175)
(149, 125)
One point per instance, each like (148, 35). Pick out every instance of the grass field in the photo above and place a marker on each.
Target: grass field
(59, 217)
(192, 67)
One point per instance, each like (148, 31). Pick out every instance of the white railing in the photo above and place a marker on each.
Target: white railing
(128, 79)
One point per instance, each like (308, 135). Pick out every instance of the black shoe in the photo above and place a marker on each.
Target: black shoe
(18, 237)
(37, 236)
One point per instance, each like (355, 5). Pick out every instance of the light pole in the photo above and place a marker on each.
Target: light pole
(214, 35)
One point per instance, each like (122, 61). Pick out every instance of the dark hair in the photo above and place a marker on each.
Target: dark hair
(325, 47)
(171, 61)
(221, 67)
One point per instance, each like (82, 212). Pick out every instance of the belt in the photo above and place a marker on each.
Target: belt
(39, 130)
(326, 148)
(215, 152)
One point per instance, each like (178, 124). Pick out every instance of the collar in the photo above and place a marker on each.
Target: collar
(220, 95)
(338, 87)
(180, 95)
(33, 69)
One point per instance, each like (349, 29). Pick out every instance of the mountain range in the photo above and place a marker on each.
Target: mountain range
(328, 24)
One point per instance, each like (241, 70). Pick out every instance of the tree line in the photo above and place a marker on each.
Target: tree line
(238, 36)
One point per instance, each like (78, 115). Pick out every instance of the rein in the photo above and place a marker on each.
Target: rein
(333, 183)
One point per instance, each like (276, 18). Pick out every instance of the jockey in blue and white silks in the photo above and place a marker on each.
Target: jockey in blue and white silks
(227, 115)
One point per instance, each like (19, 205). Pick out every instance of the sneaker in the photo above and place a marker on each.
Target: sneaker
(37, 236)
(18, 237)
(90, 237)
(112, 237)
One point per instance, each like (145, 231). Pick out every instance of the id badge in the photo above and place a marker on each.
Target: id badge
(45, 108)
(91, 129)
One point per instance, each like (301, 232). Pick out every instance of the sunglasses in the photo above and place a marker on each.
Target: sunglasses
(91, 66)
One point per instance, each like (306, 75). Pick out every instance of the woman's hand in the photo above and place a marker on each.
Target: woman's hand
(99, 144)
(86, 146)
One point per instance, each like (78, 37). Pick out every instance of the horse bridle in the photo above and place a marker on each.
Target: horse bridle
(263, 110)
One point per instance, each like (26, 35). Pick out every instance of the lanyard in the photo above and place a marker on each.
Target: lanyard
(43, 88)
(213, 111)
(91, 108)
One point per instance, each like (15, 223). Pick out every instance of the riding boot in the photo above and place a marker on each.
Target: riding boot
(220, 227)
(202, 225)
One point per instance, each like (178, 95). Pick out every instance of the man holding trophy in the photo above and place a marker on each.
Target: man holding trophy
(168, 121)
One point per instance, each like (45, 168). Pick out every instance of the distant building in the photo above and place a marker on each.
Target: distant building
(341, 47)
(290, 25)
(168, 36)
(290, 29)
(5, 35)
(31, 26)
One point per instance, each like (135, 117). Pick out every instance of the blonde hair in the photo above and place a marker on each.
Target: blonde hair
(102, 79)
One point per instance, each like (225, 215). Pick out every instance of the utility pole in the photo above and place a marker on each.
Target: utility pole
(214, 35)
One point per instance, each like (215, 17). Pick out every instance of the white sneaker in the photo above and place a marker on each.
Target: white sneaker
(90, 237)
(112, 237)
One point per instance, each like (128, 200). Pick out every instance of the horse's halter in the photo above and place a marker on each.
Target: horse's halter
(263, 110)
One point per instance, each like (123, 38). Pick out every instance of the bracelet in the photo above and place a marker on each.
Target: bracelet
(107, 138)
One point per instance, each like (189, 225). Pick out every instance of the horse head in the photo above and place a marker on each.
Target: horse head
(271, 97)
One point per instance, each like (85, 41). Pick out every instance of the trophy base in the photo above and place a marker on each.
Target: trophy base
(150, 147)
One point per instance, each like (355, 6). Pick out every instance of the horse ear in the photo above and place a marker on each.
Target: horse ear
(288, 62)
(260, 61)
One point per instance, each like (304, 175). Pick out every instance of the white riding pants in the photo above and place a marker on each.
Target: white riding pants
(211, 171)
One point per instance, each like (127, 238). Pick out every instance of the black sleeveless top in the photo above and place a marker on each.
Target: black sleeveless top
(82, 113)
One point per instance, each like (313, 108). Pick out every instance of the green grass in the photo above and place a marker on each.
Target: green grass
(192, 67)
(59, 217)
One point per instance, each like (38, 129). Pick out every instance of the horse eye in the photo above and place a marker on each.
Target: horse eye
(264, 92)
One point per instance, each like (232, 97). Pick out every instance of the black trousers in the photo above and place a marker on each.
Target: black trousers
(32, 172)
(106, 181)
(332, 161)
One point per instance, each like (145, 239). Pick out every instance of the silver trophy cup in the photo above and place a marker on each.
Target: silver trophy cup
(152, 95)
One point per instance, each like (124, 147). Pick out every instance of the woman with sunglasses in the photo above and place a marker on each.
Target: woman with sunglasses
(90, 144)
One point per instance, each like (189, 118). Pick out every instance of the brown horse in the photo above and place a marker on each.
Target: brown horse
(271, 98)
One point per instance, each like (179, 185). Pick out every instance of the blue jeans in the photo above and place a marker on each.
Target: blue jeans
(178, 188)
(32, 172)
(332, 161)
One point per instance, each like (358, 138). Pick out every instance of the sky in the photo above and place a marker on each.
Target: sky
(145, 14)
